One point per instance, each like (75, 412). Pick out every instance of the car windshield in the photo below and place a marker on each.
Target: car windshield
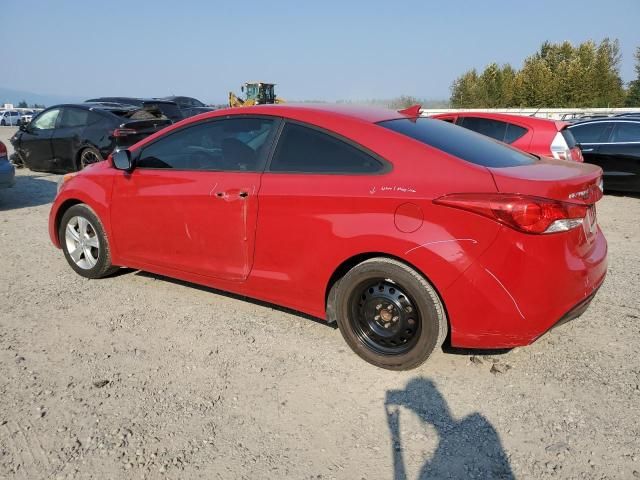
(460, 142)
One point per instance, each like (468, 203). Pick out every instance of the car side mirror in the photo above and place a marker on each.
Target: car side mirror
(23, 127)
(122, 160)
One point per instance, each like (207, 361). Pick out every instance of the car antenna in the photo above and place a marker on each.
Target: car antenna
(536, 112)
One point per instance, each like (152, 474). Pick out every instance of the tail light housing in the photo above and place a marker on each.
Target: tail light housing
(123, 132)
(3, 150)
(559, 148)
(528, 214)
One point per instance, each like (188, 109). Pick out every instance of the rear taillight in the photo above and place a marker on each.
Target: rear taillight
(559, 148)
(123, 132)
(525, 213)
(3, 150)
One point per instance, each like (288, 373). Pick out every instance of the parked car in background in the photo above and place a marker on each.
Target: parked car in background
(7, 170)
(538, 136)
(399, 228)
(168, 106)
(190, 106)
(614, 145)
(69, 137)
(9, 118)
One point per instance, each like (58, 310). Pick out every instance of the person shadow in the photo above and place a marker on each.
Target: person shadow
(467, 448)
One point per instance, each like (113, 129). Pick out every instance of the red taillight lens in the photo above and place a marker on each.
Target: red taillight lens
(3, 150)
(522, 212)
(123, 132)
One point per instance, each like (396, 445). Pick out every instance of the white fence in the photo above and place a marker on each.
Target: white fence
(551, 113)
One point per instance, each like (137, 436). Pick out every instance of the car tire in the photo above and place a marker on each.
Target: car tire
(389, 314)
(84, 242)
(3, 123)
(87, 156)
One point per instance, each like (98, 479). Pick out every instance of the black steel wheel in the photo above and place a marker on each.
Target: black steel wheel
(388, 313)
(384, 317)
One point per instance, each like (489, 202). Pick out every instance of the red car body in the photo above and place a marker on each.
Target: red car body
(292, 234)
(538, 136)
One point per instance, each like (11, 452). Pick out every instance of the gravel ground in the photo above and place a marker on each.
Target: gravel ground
(140, 376)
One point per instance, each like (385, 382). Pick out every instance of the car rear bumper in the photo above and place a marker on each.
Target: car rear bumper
(7, 173)
(523, 286)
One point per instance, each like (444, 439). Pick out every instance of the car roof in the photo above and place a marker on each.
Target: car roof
(135, 99)
(533, 122)
(307, 111)
(108, 106)
(607, 119)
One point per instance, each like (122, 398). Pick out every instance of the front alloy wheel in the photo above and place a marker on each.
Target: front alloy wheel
(82, 242)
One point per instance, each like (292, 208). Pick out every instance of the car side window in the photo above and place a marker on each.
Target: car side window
(236, 144)
(626, 132)
(73, 117)
(591, 132)
(46, 120)
(514, 132)
(490, 128)
(306, 150)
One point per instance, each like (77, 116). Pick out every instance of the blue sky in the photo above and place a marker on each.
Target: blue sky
(324, 50)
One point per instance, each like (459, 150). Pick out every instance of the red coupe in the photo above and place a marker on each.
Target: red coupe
(403, 230)
(538, 136)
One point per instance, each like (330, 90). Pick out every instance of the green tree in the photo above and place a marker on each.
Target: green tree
(464, 90)
(557, 75)
(23, 104)
(633, 93)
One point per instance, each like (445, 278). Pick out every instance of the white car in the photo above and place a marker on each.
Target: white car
(10, 117)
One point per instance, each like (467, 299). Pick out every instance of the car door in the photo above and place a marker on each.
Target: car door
(35, 141)
(620, 157)
(67, 138)
(191, 203)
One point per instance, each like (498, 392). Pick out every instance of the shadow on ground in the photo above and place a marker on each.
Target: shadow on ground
(467, 448)
(231, 295)
(29, 191)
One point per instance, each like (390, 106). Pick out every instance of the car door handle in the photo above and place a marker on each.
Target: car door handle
(588, 149)
(224, 194)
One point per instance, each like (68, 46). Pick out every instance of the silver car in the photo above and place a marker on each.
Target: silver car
(10, 117)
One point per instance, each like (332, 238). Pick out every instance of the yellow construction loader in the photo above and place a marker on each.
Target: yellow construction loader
(258, 93)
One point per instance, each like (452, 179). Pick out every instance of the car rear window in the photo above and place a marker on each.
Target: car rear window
(460, 142)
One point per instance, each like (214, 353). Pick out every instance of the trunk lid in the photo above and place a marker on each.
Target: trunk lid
(555, 179)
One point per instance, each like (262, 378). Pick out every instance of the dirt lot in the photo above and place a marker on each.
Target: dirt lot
(139, 376)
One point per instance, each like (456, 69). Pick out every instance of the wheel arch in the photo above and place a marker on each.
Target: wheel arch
(354, 260)
(66, 205)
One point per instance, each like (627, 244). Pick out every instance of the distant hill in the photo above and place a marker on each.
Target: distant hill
(8, 95)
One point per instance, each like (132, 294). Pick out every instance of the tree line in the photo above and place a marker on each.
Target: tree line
(558, 75)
